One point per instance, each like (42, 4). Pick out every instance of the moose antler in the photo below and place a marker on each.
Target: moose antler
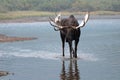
(57, 27)
(53, 22)
(82, 24)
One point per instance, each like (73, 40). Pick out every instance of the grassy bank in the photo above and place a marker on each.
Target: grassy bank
(23, 14)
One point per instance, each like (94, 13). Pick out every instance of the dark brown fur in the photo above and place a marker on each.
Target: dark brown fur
(69, 34)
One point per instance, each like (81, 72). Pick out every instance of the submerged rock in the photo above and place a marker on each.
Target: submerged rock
(4, 38)
(3, 73)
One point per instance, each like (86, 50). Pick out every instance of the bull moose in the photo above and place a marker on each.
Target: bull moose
(69, 31)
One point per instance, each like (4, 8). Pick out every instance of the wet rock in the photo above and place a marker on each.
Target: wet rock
(3, 73)
(4, 38)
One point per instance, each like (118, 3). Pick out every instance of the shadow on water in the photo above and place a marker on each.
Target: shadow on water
(70, 71)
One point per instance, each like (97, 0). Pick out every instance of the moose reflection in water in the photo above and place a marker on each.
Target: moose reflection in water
(70, 72)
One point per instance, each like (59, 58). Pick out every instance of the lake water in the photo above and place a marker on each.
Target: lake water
(41, 59)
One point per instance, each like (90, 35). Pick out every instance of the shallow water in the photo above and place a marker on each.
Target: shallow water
(98, 52)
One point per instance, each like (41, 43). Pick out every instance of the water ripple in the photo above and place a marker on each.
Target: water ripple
(26, 53)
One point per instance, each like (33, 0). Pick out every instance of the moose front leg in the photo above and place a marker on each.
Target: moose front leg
(63, 42)
(76, 44)
(71, 49)
(63, 45)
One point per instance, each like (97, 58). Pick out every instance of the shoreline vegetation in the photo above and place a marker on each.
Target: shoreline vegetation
(39, 16)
